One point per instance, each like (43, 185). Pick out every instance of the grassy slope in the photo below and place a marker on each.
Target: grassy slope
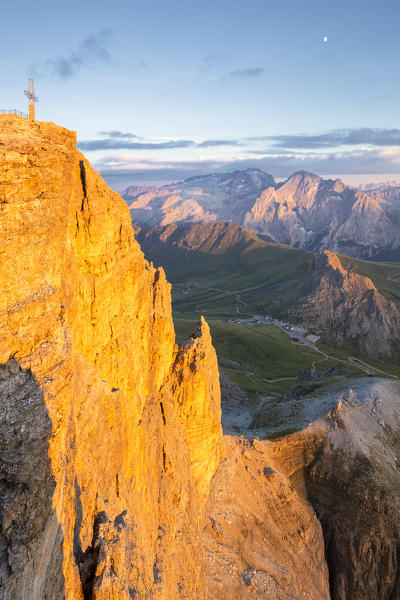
(269, 277)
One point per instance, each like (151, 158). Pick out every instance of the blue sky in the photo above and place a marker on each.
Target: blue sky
(166, 89)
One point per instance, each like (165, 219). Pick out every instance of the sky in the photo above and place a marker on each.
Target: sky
(166, 89)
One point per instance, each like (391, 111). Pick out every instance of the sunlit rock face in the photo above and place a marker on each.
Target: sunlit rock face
(111, 452)
(262, 538)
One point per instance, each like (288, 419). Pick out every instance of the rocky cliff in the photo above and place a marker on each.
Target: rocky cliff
(110, 433)
(345, 462)
(309, 212)
(346, 308)
(115, 480)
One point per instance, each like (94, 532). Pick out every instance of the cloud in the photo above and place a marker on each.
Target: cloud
(118, 140)
(338, 137)
(119, 134)
(213, 61)
(367, 137)
(121, 144)
(216, 143)
(245, 73)
(363, 161)
(356, 152)
(90, 51)
(119, 171)
(377, 98)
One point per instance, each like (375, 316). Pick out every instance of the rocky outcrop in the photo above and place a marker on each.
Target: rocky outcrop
(353, 484)
(196, 387)
(103, 474)
(346, 308)
(30, 539)
(313, 514)
(262, 538)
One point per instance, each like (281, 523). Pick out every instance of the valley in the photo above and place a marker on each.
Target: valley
(245, 287)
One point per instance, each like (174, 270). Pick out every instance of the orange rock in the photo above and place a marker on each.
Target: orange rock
(135, 421)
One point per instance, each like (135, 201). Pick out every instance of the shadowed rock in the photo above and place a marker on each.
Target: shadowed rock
(31, 553)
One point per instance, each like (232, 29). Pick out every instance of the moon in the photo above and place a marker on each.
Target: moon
(325, 38)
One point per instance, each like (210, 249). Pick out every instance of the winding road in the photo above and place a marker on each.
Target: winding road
(238, 298)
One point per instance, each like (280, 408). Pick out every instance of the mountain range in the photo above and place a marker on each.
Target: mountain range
(305, 211)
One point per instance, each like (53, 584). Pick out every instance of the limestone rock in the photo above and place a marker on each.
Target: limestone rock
(199, 404)
(262, 538)
(354, 485)
(98, 396)
(202, 199)
(282, 513)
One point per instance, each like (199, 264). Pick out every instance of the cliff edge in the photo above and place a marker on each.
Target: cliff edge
(110, 433)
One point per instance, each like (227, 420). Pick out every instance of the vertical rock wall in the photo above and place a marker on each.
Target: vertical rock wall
(88, 322)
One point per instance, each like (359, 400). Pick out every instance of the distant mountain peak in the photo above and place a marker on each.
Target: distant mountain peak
(225, 175)
(304, 175)
(305, 211)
